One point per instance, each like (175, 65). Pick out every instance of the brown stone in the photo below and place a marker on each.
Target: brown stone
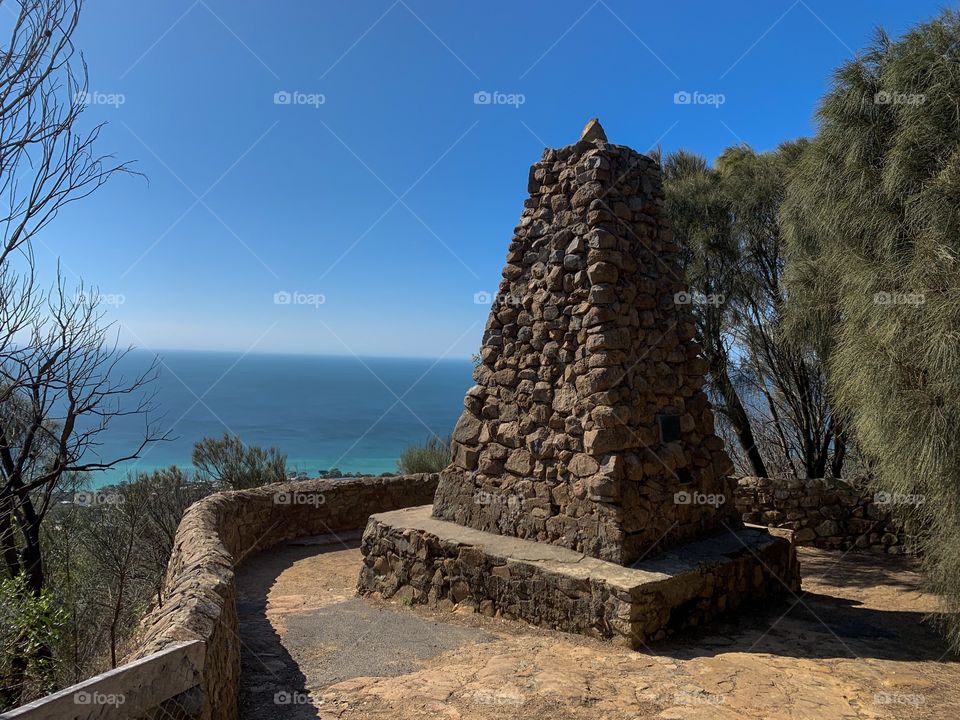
(578, 366)
(828, 513)
(563, 589)
(593, 131)
(583, 465)
(519, 462)
(468, 428)
(603, 272)
(603, 440)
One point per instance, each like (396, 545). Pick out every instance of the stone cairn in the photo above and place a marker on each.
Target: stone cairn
(588, 427)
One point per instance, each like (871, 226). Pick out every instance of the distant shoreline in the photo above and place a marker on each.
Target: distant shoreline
(357, 415)
(119, 475)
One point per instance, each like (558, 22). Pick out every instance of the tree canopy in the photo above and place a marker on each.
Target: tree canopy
(769, 392)
(872, 224)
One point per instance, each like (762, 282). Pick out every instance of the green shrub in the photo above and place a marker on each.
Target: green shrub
(431, 457)
(31, 624)
(231, 463)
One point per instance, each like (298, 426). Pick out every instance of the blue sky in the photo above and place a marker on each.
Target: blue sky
(382, 187)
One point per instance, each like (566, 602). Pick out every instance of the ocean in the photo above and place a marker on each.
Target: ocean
(355, 414)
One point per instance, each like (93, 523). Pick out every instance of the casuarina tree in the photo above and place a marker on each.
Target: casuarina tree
(872, 222)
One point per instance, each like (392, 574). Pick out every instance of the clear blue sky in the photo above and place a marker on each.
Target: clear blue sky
(395, 198)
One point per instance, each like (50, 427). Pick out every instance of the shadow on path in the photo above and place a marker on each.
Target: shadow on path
(852, 607)
(272, 684)
(821, 623)
(861, 570)
(328, 635)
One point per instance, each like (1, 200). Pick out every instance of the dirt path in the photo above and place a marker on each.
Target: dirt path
(852, 646)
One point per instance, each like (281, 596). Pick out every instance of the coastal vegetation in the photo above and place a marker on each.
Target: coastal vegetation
(826, 290)
(105, 554)
(59, 389)
(873, 274)
(770, 394)
(431, 457)
(228, 462)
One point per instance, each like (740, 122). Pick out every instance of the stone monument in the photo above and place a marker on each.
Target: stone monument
(588, 489)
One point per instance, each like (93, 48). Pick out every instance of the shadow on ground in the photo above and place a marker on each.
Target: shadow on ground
(321, 646)
(272, 684)
(854, 569)
(815, 626)
(822, 621)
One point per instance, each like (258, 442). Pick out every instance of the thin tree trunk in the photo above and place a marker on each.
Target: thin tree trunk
(117, 606)
(738, 417)
(839, 454)
(11, 558)
(32, 551)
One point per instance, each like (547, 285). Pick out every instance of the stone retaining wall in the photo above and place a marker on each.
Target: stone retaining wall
(217, 533)
(824, 513)
(418, 559)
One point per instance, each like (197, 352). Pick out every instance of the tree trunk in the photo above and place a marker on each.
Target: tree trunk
(11, 558)
(839, 454)
(32, 567)
(11, 694)
(817, 457)
(738, 419)
(32, 552)
(744, 433)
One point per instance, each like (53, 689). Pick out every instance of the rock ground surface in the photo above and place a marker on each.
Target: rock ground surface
(853, 646)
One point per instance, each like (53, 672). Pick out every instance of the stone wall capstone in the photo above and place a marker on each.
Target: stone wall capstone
(824, 513)
(217, 533)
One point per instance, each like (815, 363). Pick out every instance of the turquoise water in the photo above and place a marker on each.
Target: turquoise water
(322, 411)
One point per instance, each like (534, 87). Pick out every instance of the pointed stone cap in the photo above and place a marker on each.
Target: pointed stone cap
(593, 130)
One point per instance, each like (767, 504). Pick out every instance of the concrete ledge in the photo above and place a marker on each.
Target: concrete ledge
(417, 558)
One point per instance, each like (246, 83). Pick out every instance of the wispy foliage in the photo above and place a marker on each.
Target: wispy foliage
(769, 393)
(872, 220)
(433, 456)
(236, 466)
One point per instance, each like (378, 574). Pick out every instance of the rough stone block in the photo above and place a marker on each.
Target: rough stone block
(686, 587)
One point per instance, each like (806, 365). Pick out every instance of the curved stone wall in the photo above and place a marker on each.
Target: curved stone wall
(824, 513)
(217, 533)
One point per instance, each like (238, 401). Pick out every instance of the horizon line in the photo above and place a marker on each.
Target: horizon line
(289, 353)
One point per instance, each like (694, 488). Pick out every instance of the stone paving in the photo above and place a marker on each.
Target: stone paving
(852, 646)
